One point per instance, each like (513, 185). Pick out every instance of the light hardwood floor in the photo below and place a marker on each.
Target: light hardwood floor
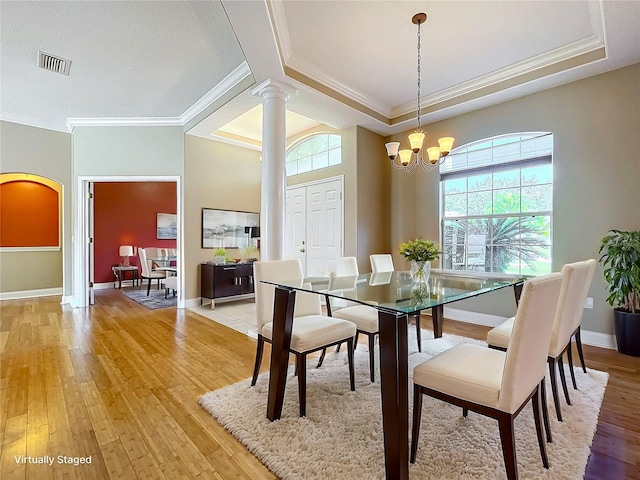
(120, 383)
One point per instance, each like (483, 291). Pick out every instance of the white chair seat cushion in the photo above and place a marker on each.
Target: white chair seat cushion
(465, 371)
(314, 331)
(365, 318)
(499, 336)
(171, 282)
(155, 275)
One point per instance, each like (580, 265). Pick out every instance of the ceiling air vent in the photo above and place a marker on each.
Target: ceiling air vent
(53, 64)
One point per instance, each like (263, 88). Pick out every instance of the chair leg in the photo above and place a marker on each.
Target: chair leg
(372, 342)
(554, 386)
(537, 410)
(321, 359)
(570, 361)
(352, 373)
(148, 287)
(507, 438)
(417, 415)
(545, 410)
(301, 365)
(465, 412)
(338, 347)
(563, 380)
(256, 367)
(579, 345)
(418, 331)
(355, 345)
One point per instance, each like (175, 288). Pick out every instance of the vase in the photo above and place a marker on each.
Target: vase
(420, 271)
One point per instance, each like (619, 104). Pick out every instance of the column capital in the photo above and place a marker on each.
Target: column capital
(273, 88)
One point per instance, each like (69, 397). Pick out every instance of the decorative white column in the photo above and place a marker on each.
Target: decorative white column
(274, 96)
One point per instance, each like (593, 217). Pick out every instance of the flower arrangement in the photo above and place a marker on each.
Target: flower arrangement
(420, 250)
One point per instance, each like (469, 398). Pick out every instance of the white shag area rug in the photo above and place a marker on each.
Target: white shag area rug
(341, 437)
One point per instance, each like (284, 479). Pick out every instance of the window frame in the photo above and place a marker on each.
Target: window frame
(467, 172)
(310, 138)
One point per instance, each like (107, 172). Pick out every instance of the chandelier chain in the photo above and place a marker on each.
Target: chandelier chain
(418, 101)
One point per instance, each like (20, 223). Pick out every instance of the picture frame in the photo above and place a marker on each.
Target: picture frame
(166, 226)
(228, 228)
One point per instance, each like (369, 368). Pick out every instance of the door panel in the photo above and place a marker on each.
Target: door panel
(295, 225)
(318, 224)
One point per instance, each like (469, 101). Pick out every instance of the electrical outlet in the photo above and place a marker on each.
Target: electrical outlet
(588, 303)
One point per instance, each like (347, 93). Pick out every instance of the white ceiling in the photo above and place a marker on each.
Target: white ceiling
(351, 62)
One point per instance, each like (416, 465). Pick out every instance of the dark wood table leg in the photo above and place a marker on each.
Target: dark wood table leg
(517, 291)
(437, 314)
(394, 381)
(283, 303)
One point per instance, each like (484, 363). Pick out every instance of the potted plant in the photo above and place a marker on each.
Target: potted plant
(220, 255)
(621, 261)
(421, 253)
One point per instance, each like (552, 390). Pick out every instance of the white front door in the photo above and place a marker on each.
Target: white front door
(314, 225)
(295, 224)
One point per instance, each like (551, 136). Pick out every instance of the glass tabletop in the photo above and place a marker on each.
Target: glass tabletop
(397, 291)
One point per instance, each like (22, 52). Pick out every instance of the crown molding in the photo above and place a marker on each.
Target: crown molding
(123, 122)
(278, 21)
(234, 78)
(241, 72)
(236, 141)
(525, 67)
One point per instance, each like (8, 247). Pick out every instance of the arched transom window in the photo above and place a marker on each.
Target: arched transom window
(313, 153)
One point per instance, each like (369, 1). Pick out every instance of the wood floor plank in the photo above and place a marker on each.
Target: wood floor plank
(121, 383)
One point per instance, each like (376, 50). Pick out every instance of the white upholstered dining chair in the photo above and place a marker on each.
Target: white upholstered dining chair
(147, 271)
(566, 325)
(312, 331)
(383, 263)
(495, 383)
(364, 317)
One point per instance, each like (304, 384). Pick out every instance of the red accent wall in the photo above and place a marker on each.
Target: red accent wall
(125, 214)
(29, 213)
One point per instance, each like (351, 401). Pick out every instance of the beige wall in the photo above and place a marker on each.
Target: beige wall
(596, 128)
(216, 175)
(47, 153)
(373, 197)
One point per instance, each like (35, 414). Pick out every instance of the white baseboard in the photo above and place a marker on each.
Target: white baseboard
(595, 339)
(66, 299)
(103, 286)
(191, 302)
(473, 317)
(43, 292)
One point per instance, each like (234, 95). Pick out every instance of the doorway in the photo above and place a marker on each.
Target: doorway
(314, 225)
(83, 229)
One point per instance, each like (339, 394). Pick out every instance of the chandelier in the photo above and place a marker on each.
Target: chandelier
(413, 156)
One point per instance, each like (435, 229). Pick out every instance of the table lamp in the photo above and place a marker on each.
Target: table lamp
(126, 251)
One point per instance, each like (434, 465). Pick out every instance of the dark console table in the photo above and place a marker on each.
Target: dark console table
(229, 281)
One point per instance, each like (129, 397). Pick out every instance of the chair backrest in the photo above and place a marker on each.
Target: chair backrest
(346, 267)
(571, 304)
(280, 270)
(145, 263)
(381, 263)
(526, 356)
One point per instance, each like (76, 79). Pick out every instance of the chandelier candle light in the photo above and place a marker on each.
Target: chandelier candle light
(410, 158)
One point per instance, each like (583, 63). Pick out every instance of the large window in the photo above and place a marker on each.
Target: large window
(320, 151)
(497, 205)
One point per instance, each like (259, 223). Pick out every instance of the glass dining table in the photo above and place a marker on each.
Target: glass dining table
(396, 297)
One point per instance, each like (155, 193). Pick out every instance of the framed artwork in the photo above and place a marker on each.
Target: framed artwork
(228, 228)
(166, 226)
